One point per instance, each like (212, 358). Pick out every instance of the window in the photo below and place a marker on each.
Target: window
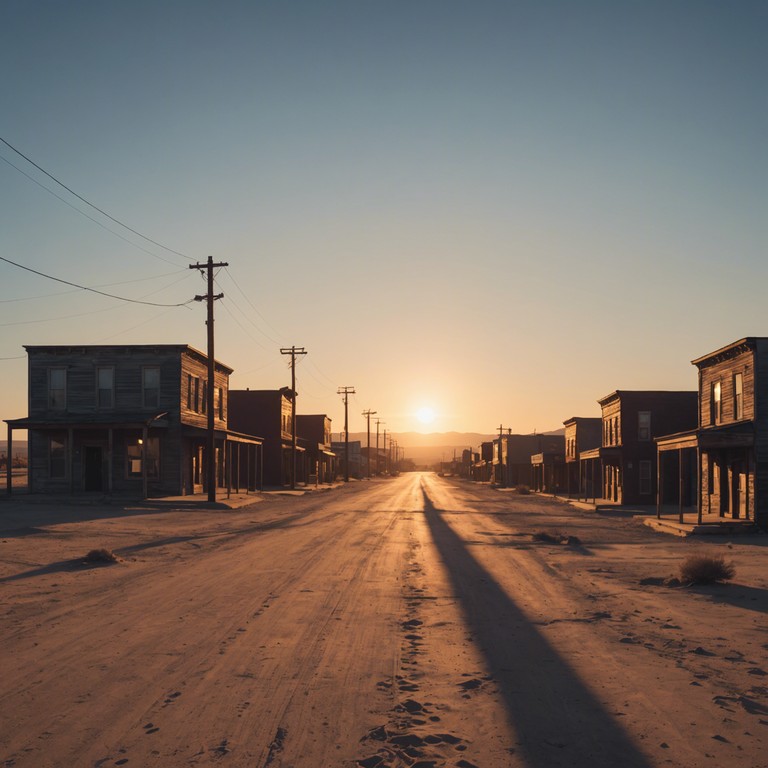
(218, 402)
(644, 425)
(105, 387)
(738, 396)
(150, 387)
(190, 394)
(204, 401)
(716, 404)
(149, 451)
(57, 458)
(57, 388)
(645, 476)
(197, 395)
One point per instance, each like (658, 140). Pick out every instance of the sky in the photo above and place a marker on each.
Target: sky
(474, 213)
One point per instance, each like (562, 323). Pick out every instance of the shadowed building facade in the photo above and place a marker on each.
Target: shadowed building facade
(129, 419)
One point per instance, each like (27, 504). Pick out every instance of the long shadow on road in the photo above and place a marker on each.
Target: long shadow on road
(557, 719)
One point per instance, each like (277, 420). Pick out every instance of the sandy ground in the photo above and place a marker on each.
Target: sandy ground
(407, 622)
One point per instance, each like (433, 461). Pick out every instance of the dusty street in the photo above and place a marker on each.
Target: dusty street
(405, 622)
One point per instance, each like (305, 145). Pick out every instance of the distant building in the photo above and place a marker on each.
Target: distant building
(267, 412)
(512, 456)
(623, 468)
(581, 434)
(315, 433)
(355, 458)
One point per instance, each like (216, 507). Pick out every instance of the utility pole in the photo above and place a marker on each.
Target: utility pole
(386, 468)
(368, 415)
(346, 391)
(378, 421)
(209, 266)
(501, 466)
(293, 351)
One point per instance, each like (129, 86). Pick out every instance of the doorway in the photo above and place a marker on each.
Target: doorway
(93, 470)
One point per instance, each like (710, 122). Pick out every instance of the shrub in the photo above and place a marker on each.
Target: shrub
(706, 569)
(102, 556)
(523, 489)
(549, 538)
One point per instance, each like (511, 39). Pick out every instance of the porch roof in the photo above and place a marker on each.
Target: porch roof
(740, 435)
(94, 421)
(601, 452)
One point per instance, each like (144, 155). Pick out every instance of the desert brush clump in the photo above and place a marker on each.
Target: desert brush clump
(101, 556)
(523, 489)
(556, 538)
(706, 569)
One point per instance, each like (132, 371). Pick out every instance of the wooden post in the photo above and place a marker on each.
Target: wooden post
(70, 451)
(680, 483)
(110, 452)
(699, 494)
(659, 482)
(144, 483)
(9, 463)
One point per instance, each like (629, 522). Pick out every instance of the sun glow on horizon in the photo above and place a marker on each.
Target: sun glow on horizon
(425, 414)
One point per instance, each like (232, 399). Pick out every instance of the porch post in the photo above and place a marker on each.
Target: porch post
(699, 489)
(110, 454)
(227, 450)
(748, 472)
(70, 459)
(9, 462)
(680, 481)
(659, 482)
(144, 446)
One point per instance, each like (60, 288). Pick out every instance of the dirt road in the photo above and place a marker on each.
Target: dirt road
(407, 622)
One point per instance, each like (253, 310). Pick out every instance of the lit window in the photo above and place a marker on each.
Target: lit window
(150, 452)
(151, 387)
(105, 387)
(716, 403)
(57, 388)
(644, 425)
(738, 396)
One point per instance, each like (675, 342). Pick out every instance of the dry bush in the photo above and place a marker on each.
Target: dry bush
(523, 489)
(706, 569)
(102, 556)
(549, 538)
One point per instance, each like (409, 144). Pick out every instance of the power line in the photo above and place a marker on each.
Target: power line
(95, 207)
(102, 285)
(93, 290)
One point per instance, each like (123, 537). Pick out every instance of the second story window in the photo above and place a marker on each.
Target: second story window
(644, 426)
(150, 387)
(738, 396)
(57, 388)
(716, 411)
(105, 387)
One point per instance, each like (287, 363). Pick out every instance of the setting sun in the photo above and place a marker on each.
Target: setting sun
(425, 415)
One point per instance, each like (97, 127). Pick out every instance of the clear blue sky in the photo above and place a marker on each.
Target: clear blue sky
(501, 210)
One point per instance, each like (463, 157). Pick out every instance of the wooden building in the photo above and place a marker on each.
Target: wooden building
(314, 430)
(727, 455)
(548, 471)
(267, 412)
(129, 419)
(623, 468)
(512, 456)
(581, 434)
